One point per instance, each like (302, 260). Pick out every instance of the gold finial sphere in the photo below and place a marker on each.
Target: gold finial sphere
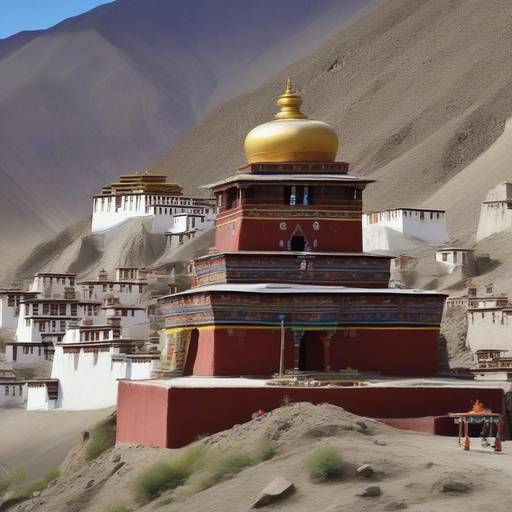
(291, 137)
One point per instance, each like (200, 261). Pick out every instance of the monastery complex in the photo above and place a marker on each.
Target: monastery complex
(294, 302)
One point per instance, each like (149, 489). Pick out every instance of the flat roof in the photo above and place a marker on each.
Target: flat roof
(405, 208)
(245, 382)
(347, 178)
(275, 288)
(454, 249)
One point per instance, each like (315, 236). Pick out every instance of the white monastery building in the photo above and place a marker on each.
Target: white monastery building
(456, 258)
(86, 367)
(403, 228)
(150, 198)
(496, 211)
(10, 300)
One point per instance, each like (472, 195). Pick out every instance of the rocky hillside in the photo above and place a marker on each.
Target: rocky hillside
(418, 90)
(113, 89)
(437, 477)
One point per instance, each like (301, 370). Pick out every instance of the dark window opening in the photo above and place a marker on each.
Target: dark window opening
(231, 196)
(297, 243)
(298, 195)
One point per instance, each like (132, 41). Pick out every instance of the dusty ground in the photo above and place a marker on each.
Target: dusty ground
(411, 467)
(38, 441)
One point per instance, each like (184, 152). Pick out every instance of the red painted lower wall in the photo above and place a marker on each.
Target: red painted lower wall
(193, 412)
(142, 414)
(239, 351)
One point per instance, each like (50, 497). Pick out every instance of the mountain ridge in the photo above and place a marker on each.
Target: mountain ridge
(109, 91)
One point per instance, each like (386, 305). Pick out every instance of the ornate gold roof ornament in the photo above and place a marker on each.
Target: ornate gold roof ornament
(290, 103)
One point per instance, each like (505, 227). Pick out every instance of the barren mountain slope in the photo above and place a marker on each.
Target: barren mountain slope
(415, 88)
(111, 90)
(410, 469)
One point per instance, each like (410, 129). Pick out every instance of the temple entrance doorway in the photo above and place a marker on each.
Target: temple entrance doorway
(190, 358)
(297, 243)
(311, 352)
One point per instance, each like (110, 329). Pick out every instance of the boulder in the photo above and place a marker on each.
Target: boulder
(371, 492)
(366, 471)
(396, 505)
(276, 490)
(380, 443)
(455, 486)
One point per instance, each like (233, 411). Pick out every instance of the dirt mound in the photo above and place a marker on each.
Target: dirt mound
(410, 468)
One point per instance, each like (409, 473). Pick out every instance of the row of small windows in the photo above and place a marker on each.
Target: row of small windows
(114, 203)
(293, 195)
(58, 280)
(94, 336)
(11, 390)
(62, 309)
(122, 287)
(50, 326)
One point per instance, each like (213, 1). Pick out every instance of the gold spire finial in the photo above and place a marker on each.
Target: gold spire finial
(290, 103)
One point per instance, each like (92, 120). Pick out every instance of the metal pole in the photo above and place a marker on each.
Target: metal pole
(281, 356)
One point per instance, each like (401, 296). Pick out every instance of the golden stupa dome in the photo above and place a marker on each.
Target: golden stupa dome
(290, 136)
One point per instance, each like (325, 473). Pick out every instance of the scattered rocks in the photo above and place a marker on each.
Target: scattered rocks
(362, 425)
(454, 486)
(396, 505)
(276, 490)
(380, 443)
(116, 468)
(371, 492)
(366, 471)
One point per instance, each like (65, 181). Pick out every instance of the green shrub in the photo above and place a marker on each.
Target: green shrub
(325, 464)
(102, 438)
(223, 465)
(158, 478)
(5, 483)
(265, 449)
(51, 475)
(28, 489)
(167, 475)
(117, 506)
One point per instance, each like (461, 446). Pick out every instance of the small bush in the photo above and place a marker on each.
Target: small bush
(325, 464)
(167, 475)
(36, 486)
(102, 438)
(5, 483)
(265, 449)
(118, 506)
(51, 475)
(223, 465)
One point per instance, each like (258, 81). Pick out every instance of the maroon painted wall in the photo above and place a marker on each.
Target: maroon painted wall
(265, 235)
(256, 351)
(142, 414)
(193, 412)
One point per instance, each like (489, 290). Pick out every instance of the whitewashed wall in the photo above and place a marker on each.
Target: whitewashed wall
(398, 230)
(37, 399)
(489, 332)
(35, 355)
(12, 395)
(495, 216)
(8, 317)
(88, 380)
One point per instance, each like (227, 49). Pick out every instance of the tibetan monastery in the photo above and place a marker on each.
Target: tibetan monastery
(288, 290)
(161, 205)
